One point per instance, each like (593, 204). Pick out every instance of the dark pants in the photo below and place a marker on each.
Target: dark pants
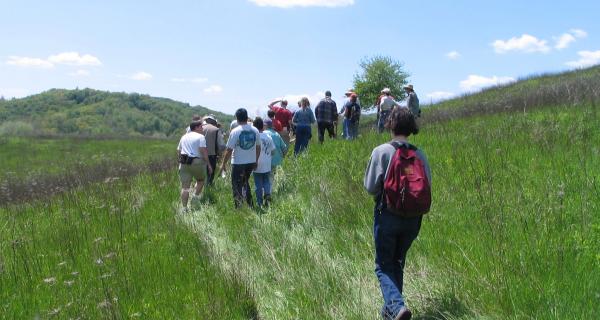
(321, 126)
(240, 183)
(303, 136)
(211, 175)
(352, 130)
(383, 115)
(393, 237)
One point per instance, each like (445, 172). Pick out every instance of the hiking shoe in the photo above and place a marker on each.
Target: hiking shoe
(403, 314)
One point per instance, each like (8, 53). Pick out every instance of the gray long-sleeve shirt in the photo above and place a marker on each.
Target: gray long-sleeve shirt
(378, 166)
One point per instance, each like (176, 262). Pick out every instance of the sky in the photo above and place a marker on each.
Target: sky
(228, 54)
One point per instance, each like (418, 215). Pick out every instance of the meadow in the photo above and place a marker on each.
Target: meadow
(513, 233)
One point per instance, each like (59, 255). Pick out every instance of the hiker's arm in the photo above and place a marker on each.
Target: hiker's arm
(226, 158)
(257, 154)
(374, 174)
(272, 103)
(204, 153)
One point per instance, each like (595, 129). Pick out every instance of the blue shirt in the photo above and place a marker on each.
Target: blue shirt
(280, 147)
(304, 117)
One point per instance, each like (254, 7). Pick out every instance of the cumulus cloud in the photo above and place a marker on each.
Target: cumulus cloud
(80, 73)
(586, 59)
(141, 76)
(453, 55)
(578, 33)
(74, 59)
(525, 43)
(440, 95)
(214, 89)
(29, 62)
(474, 82)
(303, 3)
(189, 80)
(564, 41)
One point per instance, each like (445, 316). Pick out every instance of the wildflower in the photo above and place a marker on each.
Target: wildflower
(106, 275)
(74, 273)
(104, 304)
(62, 263)
(98, 239)
(53, 312)
(110, 255)
(69, 283)
(50, 281)
(99, 261)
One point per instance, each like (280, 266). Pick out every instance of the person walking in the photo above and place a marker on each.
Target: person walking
(283, 115)
(352, 115)
(302, 120)
(326, 115)
(243, 147)
(385, 106)
(412, 101)
(214, 143)
(280, 149)
(193, 161)
(276, 123)
(393, 233)
(262, 173)
(347, 95)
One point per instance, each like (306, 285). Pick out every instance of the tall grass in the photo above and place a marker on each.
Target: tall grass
(513, 232)
(115, 250)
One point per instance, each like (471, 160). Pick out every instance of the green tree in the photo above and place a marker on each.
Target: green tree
(377, 73)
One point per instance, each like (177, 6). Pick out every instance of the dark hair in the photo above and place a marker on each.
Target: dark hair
(258, 123)
(241, 115)
(270, 113)
(402, 121)
(195, 124)
(328, 93)
(196, 117)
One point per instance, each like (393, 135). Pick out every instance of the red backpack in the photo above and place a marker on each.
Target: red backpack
(406, 189)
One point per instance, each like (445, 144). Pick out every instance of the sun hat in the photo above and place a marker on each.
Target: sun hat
(386, 90)
(268, 122)
(410, 87)
(349, 92)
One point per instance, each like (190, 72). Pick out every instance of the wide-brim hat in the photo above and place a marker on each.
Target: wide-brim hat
(409, 87)
(386, 90)
(349, 92)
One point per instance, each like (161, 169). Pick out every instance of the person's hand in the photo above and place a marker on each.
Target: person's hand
(210, 169)
(255, 166)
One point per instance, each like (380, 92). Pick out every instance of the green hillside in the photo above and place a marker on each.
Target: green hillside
(98, 113)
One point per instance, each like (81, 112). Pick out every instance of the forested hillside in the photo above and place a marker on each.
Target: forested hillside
(94, 112)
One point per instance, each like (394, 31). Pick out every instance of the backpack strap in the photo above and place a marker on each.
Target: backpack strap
(397, 145)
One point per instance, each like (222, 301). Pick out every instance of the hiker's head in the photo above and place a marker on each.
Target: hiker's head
(268, 123)
(353, 97)
(271, 114)
(304, 103)
(258, 123)
(409, 88)
(195, 125)
(284, 103)
(196, 117)
(386, 91)
(241, 115)
(328, 94)
(402, 122)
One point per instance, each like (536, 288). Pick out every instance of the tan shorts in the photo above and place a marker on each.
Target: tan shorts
(188, 172)
(285, 135)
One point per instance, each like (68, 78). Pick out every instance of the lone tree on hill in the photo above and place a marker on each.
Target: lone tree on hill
(377, 73)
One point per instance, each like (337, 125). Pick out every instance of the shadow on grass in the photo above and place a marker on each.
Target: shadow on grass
(444, 307)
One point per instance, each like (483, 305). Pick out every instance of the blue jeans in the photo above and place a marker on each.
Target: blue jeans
(345, 128)
(352, 130)
(383, 115)
(303, 136)
(393, 237)
(262, 182)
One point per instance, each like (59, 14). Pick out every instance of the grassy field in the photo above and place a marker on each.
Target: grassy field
(513, 232)
(115, 250)
(31, 156)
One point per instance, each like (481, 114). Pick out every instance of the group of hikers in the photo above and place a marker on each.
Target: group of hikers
(397, 175)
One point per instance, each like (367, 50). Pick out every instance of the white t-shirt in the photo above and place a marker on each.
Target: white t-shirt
(242, 140)
(191, 143)
(387, 103)
(267, 146)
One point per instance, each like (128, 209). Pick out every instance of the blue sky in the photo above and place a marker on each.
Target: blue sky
(243, 53)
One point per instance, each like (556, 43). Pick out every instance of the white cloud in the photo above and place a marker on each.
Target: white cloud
(564, 41)
(440, 95)
(214, 89)
(80, 73)
(29, 62)
(525, 43)
(586, 59)
(474, 82)
(141, 76)
(190, 80)
(74, 59)
(578, 33)
(453, 55)
(303, 3)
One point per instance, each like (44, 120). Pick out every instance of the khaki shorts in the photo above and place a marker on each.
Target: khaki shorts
(285, 135)
(188, 172)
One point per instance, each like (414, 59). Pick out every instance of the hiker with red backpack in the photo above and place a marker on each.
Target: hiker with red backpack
(352, 117)
(399, 177)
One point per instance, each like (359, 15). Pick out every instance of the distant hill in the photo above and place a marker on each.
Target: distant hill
(568, 89)
(98, 113)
